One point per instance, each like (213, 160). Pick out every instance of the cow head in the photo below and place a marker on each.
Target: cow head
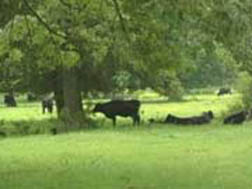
(169, 119)
(209, 115)
(97, 108)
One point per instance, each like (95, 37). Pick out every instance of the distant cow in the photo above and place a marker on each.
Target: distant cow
(236, 118)
(10, 101)
(47, 104)
(223, 91)
(124, 108)
(206, 117)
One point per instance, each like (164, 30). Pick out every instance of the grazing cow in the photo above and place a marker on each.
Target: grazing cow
(223, 91)
(10, 101)
(206, 117)
(124, 108)
(236, 118)
(47, 104)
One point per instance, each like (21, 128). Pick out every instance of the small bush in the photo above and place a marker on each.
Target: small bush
(232, 108)
(168, 84)
(176, 91)
(207, 90)
(29, 127)
(244, 86)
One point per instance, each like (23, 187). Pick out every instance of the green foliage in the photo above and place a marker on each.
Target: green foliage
(211, 70)
(168, 84)
(244, 86)
(232, 108)
(124, 80)
(121, 80)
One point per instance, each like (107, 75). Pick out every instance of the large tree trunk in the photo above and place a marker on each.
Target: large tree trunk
(58, 92)
(73, 110)
(59, 99)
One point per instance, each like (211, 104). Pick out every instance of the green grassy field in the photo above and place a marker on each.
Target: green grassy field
(210, 156)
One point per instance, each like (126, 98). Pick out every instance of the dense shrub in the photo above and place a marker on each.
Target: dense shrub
(235, 107)
(244, 86)
(168, 84)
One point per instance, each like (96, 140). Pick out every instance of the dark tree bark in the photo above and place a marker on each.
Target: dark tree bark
(59, 99)
(73, 109)
(58, 91)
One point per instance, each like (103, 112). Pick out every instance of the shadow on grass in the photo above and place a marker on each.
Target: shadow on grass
(47, 126)
(28, 127)
(52, 126)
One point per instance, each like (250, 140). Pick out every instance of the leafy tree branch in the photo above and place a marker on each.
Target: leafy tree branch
(42, 21)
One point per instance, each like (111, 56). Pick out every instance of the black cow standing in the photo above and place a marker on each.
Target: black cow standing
(10, 101)
(236, 118)
(223, 91)
(124, 108)
(47, 104)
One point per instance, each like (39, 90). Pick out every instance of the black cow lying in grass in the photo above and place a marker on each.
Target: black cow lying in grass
(236, 118)
(223, 91)
(124, 108)
(47, 104)
(206, 117)
(10, 101)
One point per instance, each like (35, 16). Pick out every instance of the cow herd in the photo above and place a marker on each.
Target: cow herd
(130, 108)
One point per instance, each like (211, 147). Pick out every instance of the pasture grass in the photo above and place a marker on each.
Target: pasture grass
(157, 156)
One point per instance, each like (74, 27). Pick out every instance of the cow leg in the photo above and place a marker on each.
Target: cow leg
(114, 121)
(43, 110)
(50, 109)
(136, 119)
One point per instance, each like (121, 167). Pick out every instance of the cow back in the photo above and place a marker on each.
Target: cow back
(120, 107)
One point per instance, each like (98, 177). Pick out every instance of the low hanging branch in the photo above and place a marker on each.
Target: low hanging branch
(52, 31)
(68, 5)
(118, 11)
(42, 21)
(73, 7)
